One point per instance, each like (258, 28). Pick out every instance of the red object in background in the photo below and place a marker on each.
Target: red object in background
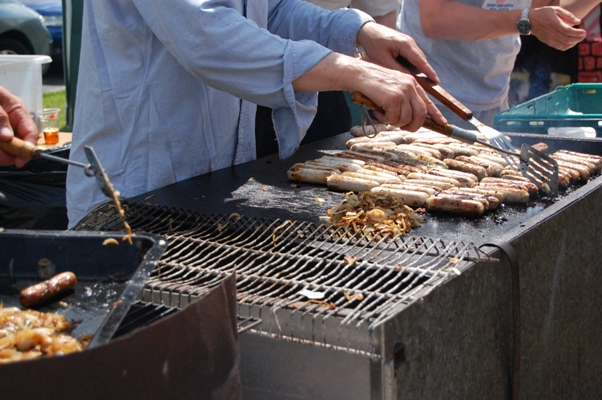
(589, 63)
(590, 77)
(584, 49)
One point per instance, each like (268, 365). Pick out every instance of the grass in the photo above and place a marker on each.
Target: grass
(57, 100)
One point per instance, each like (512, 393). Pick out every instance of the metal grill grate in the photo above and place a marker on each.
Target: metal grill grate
(304, 281)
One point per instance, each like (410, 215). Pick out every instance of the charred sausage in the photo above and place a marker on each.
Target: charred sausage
(40, 293)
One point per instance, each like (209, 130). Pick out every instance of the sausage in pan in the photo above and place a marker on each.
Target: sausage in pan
(39, 293)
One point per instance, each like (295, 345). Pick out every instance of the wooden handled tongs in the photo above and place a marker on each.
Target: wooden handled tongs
(28, 151)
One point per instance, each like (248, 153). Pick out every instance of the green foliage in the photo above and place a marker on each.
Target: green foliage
(57, 100)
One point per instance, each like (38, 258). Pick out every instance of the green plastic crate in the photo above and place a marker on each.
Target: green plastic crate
(573, 106)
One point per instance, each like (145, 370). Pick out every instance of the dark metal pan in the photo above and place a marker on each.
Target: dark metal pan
(109, 277)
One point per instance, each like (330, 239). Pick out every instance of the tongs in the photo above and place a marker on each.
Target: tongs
(26, 150)
(536, 166)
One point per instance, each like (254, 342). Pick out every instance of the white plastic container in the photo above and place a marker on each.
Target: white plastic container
(22, 75)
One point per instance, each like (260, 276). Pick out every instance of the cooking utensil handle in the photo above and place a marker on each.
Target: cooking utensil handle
(359, 98)
(463, 135)
(20, 148)
(437, 91)
(452, 131)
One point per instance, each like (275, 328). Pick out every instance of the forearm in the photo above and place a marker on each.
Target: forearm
(451, 20)
(334, 72)
(388, 20)
(579, 8)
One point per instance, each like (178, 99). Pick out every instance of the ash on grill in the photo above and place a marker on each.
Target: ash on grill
(304, 281)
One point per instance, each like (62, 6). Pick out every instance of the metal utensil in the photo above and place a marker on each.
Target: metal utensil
(536, 166)
(26, 150)
(495, 137)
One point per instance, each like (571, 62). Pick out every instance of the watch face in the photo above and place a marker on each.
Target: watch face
(524, 27)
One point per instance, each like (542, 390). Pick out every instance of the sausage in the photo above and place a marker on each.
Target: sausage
(592, 158)
(356, 155)
(378, 178)
(384, 174)
(305, 173)
(525, 184)
(444, 151)
(493, 168)
(455, 205)
(495, 158)
(324, 163)
(429, 177)
(463, 178)
(374, 153)
(349, 183)
(382, 167)
(408, 186)
(574, 160)
(583, 171)
(372, 145)
(440, 185)
(511, 194)
(39, 293)
(412, 198)
(367, 130)
(464, 166)
(489, 202)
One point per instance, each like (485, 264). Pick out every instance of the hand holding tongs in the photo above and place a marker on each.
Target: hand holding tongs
(536, 166)
(26, 150)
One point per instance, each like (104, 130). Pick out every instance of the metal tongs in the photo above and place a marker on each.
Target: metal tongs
(28, 151)
(539, 168)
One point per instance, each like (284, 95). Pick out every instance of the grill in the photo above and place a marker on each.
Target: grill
(331, 287)
(423, 316)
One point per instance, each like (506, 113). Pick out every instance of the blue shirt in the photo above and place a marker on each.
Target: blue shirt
(167, 89)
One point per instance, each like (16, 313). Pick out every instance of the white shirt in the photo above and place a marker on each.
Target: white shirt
(160, 86)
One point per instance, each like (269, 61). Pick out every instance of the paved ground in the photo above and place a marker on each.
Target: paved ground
(53, 80)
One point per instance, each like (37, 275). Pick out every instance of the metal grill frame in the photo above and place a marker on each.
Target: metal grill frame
(281, 265)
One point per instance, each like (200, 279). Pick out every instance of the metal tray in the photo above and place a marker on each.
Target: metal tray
(109, 277)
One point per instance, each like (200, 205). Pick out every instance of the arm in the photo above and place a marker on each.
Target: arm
(15, 119)
(405, 103)
(451, 20)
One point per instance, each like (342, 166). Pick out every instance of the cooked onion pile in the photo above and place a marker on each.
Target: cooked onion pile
(374, 216)
(27, 334)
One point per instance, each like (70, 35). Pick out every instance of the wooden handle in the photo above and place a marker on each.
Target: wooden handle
(437, 91)
(446, 129)
(359, 98)
(19, 148)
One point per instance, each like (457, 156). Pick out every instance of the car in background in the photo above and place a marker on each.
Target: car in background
(52, 11)
(22, 30)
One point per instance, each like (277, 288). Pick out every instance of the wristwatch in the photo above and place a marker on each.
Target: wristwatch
(524, 25)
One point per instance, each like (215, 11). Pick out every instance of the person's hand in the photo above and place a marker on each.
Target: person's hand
(555, 27)
(401, 99)
(383, 46)
(15, 120)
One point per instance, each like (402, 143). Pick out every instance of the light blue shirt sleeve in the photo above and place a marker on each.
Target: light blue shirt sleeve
(266, 55)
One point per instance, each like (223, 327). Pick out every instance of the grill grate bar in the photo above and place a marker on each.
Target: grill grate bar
(331, 285)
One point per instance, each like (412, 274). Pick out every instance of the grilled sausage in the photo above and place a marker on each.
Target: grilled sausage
(428, 177)
(489, 202)
(350, 183)
(356, 155)
(464, 166)
(408, 186)
(367, 130)
(372, 176)
(40, 293)
(309, 174)
(511, 194)
(463, 178)
(455, 205)
(412, 198)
